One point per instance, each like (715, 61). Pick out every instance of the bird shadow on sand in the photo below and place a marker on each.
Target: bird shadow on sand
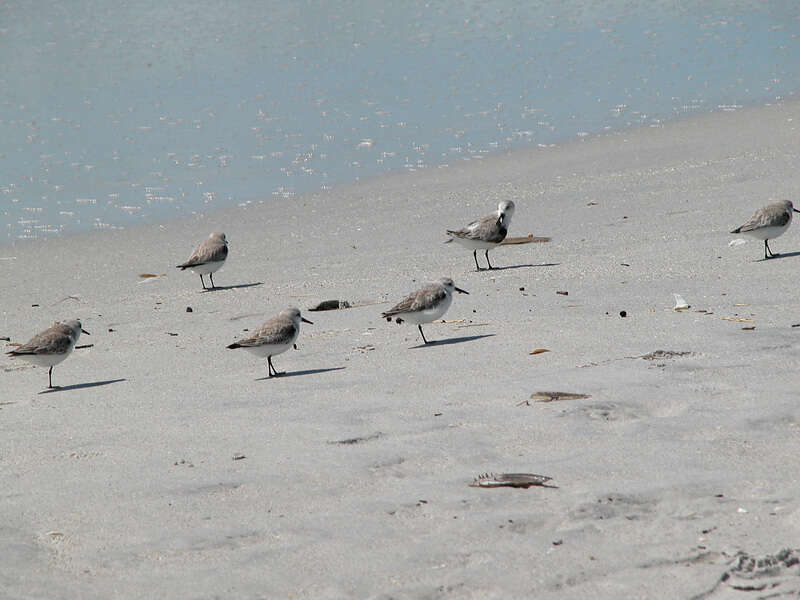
(782, 255)
(80, 386)
(456, 340)
(222, 288)
(519, 267)
(297, 373)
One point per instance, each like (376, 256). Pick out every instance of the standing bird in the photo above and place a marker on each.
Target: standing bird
(768, 222)
(485, 233)
(208, 258)
(274, 337)
(427, 304)
(51, 346)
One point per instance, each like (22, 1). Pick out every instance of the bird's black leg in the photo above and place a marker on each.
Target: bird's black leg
(50, 377)
(487, 260)
(203, 282)
(273, 372)
(211, 277)
(766, 249)
(422, 334)
(475, 256)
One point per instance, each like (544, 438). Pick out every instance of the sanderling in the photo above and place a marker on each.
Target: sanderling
(485, 233)
(51, 346)
(425, 305)
(208, 257)
(768, 222)
(274, 337)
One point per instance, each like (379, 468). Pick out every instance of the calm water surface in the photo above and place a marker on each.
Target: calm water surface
(146, 111)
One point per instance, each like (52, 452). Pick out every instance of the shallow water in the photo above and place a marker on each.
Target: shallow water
(157, 110)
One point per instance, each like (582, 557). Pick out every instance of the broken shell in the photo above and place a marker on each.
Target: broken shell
(520, 480)
(680, 302)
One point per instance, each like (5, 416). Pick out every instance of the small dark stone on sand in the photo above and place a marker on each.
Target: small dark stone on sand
(189, 309)
(522, 289)
(110, 330)
(34, 305)
(562, 293)
(623, 314)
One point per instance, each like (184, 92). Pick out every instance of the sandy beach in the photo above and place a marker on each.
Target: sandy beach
(169, 467)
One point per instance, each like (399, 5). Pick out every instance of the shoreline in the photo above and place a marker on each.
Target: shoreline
(125, 483)
(519, 154)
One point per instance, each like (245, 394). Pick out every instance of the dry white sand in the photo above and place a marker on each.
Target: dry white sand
(123, 484)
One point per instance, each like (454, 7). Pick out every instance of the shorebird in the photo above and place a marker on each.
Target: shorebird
(485, 233)
(427, 304)
(768, 222)
(51, 346)
(274, 337)
(208, 257)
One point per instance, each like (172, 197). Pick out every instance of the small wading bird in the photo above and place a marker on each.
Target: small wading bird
(51, 346)
(208, 258)
(768, 222)
(485, 233)
(425, 305)
(274, 337)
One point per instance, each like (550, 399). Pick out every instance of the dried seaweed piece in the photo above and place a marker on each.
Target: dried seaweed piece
(147, 275)
(550, 396)
(516, 480)
(539, 351)
(330, 305)
(736, 319)
(358, 440)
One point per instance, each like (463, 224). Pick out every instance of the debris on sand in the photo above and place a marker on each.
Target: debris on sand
(516, 480)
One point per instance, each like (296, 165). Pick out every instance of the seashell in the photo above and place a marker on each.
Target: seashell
(517, 480)
(680, 303)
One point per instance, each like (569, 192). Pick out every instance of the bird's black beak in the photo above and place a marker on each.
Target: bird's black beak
(460, 291)
(85, 332)
(795, 210)
(304, 320)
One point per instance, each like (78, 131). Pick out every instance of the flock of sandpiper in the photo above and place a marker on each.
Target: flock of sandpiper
(425, 305)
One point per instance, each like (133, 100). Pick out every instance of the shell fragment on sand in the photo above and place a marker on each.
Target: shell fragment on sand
(529, 239)
(680, 303)
(516, 480)
(330, 305)
(551, 396)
